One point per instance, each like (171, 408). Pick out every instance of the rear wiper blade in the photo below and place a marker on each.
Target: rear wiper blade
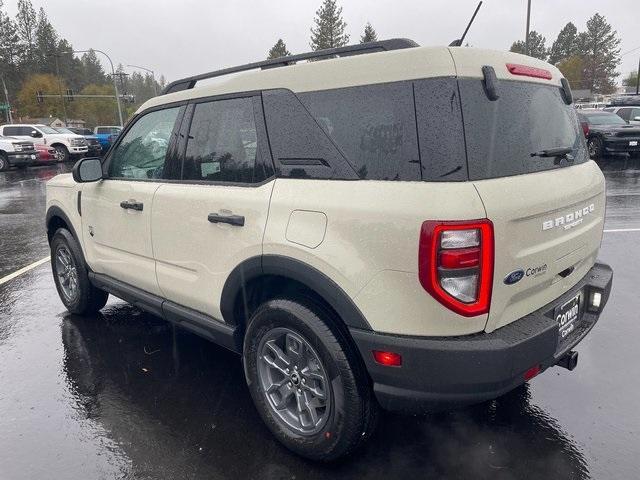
(554, 152)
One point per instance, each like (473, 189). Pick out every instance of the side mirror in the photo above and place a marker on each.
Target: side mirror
(35, 134)
(87, 170)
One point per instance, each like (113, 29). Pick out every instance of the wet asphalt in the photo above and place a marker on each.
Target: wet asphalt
(125, 395)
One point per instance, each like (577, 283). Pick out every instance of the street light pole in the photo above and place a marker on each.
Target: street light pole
(153, 77)
(6, 97)
(526, 39)
(113, 76)
(638, 79)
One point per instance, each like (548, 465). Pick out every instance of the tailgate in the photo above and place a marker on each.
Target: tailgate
(548, 225)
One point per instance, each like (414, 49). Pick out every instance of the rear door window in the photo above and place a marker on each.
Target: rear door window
(374, 127)
(503, 134)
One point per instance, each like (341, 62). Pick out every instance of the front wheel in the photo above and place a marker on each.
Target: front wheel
(595, 147)
(71, 277)
(306, 381)
(4, 162)
(62, 154)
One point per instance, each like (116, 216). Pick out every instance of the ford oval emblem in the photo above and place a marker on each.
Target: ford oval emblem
(514, 277)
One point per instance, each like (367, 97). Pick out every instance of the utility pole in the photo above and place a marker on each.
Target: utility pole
(64, 107)
(113, 77)
(638, 79)
(6, 98)
(526, 38)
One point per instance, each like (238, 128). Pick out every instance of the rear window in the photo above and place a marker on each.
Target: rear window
(503, 134)
(374, 126)
(604, 119)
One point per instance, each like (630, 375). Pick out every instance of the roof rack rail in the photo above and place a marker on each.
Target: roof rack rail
(350, 50)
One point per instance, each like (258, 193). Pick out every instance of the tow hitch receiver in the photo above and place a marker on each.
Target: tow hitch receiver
(569, 360)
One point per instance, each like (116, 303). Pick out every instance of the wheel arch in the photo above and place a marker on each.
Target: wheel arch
(55, 219)
(260, 278)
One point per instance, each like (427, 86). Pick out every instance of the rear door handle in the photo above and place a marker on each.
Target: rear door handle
(132, 205)
(237, 220)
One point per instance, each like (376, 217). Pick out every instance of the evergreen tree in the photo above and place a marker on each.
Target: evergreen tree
(631, 80)
(9, 54)
(46, 43)
(26, 22)
(278, 50)
(598, 47)
(537, 46)
(329, 29)
(369, 34)
(565, 45)
(93, 73)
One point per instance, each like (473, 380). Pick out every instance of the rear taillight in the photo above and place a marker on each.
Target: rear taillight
(455, 264)
(585, 128)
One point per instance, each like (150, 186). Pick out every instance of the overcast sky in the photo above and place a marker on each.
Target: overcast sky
(184, 37)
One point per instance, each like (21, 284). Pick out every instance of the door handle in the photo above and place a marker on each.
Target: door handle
(132, 205)
(237, 220)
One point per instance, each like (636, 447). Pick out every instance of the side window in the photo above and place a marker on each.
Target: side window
(12, 131)
(143, 149)
(373, 125)
(625, 113)
(222, 144)
(635, 114)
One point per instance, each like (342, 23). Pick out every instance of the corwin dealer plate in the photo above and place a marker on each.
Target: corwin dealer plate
(567, 316)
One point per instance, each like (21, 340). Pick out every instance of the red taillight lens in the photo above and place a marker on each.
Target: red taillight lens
(532, 372)
(388, 359)
(527, 71)
(455, 264)
(585, 128)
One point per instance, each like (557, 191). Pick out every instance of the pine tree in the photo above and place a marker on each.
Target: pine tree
(537, 46)
(46, 42)
(369, 34)
(599, 48)
(26, 22)
(329, 29)
(93, 72)
(565, 45)
(278, 50)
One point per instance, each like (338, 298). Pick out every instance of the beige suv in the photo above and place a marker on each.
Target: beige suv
(396, 226)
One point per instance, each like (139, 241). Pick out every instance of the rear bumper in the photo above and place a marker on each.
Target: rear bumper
(444, 372)
(621, 145)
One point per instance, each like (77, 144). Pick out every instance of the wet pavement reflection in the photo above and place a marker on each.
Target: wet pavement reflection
(126, 395)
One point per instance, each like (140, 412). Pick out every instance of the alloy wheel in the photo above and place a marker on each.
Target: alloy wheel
(67, 273)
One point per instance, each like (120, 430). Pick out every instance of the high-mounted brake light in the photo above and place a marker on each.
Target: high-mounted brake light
(527, 71)
(455, 264)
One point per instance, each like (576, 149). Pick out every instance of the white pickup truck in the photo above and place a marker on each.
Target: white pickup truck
(15, 152)
(68, 146)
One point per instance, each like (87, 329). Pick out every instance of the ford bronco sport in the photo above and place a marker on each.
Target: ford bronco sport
(397, 226)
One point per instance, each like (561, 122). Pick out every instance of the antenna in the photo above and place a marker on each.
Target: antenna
(458, 43)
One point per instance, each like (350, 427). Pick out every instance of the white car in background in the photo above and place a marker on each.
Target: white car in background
(67, 145)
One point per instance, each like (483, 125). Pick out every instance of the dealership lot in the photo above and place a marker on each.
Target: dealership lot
(125, 395)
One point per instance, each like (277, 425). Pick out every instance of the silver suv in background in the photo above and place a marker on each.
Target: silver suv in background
(629, 113)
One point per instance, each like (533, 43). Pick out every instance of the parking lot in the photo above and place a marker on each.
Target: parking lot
(126, 395)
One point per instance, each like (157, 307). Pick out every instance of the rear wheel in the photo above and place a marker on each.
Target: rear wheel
(595, 147)
(4, 162)
(71, 276)
(306, 381)
(61, 153)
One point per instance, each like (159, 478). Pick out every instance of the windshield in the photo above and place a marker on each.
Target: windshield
(604, 119)
(527, 118)
(63, 130)
(47, 130)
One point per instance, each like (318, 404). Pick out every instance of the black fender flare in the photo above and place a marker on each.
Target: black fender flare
(55, 211)
(293, 269)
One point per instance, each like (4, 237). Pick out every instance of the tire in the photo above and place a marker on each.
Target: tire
(347, 417)
(595, 147)
(62, 153)
(77, 293)
(4, 162)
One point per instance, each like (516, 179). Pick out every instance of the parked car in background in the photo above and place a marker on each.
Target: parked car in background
(106, 135)
(629, 113)
(68, 145)
(46, 154)
(95, 148)
(606, 132)
(16, 153)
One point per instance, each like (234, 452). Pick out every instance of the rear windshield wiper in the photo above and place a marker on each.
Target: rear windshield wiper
(554, 152)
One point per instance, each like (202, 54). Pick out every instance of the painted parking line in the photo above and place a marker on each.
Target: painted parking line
(618, 230)
(17, 273)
